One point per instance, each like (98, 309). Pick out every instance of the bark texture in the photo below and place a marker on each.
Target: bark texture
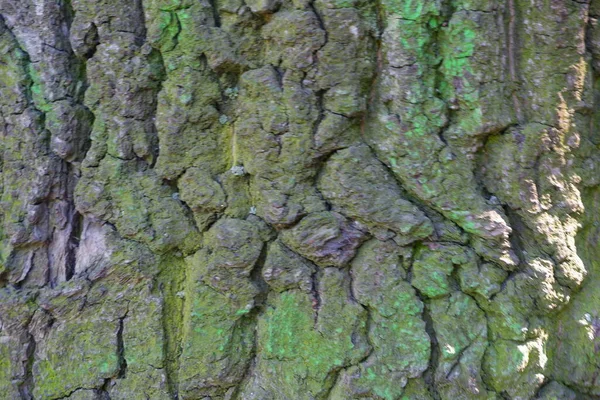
(299, 199)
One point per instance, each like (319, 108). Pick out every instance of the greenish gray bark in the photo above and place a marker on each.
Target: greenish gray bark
(299, 199)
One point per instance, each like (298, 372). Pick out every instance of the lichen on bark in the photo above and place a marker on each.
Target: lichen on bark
(299, 199)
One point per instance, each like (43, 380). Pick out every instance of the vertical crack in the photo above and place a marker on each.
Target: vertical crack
(257, 278)
(321, 23)
(26, 387)
(139, 7)
(512, 58)
(73, 244)
(377, 70)
(102, 392)
(446, 14)
(215, 11)
(155, 57)
(320, 94)
(429, 374)
(122, 362)
(316, 297)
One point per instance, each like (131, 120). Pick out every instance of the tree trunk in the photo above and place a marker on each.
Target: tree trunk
(299, 199)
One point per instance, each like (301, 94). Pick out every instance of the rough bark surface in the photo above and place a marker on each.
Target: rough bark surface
(299, 199)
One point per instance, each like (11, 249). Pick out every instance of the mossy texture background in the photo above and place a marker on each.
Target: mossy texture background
(299, 199)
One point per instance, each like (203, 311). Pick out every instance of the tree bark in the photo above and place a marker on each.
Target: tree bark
(299, 199)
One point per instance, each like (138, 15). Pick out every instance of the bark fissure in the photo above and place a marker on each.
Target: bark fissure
(320, 199)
